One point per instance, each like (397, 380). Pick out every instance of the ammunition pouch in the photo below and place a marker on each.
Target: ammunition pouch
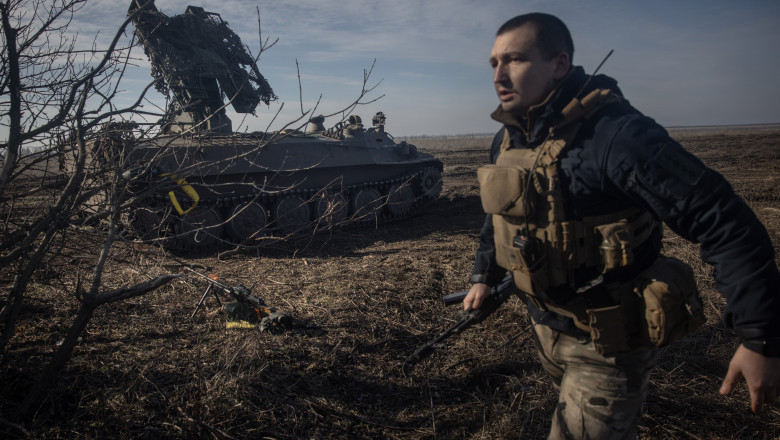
(619, 239)
(616, 249)
(608, 329)
(545, 257)
(605, 312)
(670, 301)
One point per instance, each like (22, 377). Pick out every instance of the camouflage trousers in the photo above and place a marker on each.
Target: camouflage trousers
(599, 397)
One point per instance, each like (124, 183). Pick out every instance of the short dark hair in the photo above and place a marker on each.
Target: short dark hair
(552, 35)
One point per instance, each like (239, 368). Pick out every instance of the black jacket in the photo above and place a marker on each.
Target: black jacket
(621, 158)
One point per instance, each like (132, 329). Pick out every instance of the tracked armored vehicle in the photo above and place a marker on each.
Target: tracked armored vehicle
(202, 185)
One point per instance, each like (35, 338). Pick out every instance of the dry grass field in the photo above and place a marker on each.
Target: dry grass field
(362, 300)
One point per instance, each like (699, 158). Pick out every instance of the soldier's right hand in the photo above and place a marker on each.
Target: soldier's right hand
(476, 296)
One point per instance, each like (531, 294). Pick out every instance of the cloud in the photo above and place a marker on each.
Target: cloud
(678, 61)
(307, 78)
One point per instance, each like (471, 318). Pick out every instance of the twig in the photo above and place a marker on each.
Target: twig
(300, 87)
(214, 430)
(16, 427)
(672, 425)
(433, 408)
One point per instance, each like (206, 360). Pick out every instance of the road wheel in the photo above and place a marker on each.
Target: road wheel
(400, 200)
(331, 209)
(247, 220)
(201, 228)
(430, 183)
(367, 204)
(292, 214)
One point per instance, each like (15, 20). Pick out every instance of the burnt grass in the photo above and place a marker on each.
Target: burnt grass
(362, 300)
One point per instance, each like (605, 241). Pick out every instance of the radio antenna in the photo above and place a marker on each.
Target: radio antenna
(594, 72)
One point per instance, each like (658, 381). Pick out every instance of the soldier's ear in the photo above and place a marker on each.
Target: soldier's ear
(562, 65)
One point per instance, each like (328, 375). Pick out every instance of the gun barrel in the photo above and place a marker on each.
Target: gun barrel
(454, 298)
(222, 286)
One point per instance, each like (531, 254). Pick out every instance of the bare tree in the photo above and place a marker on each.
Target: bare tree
(57, 100)
(54, 96)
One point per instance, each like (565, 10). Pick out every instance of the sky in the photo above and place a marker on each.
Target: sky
(683, 63)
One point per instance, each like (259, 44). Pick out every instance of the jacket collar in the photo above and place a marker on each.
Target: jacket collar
(540, 117)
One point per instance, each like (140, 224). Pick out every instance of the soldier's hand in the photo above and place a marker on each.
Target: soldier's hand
(476, 296)
(761, 373)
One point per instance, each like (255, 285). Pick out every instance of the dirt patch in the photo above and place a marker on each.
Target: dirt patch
(362, 299)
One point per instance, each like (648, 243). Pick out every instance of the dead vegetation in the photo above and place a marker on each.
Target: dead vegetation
(363, 299)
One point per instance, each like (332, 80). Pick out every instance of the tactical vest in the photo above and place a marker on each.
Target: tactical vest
(543, 247)
(534, 237)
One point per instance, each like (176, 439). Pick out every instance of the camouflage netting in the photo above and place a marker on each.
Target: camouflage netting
(199, 60)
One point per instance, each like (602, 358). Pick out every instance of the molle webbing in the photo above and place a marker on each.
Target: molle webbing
(584, 239)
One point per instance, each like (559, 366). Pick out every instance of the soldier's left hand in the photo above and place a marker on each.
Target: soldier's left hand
(761, 373)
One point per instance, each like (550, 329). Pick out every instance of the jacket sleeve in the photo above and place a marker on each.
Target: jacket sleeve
(654, 171)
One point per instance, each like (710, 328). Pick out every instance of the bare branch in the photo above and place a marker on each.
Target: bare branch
(125, 292)
(300, 88)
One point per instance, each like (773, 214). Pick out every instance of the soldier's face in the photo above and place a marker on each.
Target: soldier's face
(521, 75)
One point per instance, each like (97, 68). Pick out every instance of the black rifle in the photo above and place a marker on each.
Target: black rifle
(498, 295)
(239, 293)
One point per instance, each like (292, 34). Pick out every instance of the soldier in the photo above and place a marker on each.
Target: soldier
(577, 189)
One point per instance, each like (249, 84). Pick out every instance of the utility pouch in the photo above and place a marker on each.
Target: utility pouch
(501, 189)
(670, 301)
(530, 276)
(616, 246)
(608, 329)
